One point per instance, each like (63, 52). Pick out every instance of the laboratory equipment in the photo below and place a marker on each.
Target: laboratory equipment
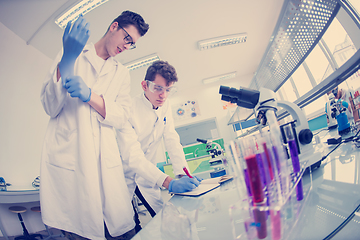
(265, 104)
(294, 159)
(273, 187)
(338, 109)
(3, 184)
(271, 181)
(218, 160)
(330, 111)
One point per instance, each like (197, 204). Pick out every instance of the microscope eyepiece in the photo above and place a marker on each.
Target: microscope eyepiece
(243, 97)
(228, 99)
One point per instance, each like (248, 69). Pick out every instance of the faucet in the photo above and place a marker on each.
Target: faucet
(195, 154)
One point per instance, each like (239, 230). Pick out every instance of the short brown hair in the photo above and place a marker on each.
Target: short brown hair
(127, 18)
(164, 69)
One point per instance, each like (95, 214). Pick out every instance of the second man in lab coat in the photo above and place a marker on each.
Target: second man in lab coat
(151, 117)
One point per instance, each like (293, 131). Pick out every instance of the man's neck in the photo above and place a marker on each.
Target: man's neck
(100, 49)
(156, 108)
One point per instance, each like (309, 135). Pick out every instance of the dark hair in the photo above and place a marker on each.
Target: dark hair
(127, 18)
(164, 69)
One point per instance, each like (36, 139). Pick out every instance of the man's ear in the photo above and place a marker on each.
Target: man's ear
(114, 26)
(144, 85)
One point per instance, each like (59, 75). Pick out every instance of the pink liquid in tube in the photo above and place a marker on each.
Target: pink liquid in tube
(275, 217)
(260, 221)
(256, 187)
(255, 179)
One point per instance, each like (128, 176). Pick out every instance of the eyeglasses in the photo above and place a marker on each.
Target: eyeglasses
(128, 39)
(159, 89)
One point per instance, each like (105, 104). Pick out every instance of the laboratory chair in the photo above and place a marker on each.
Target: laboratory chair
(136, 204)
(50, 234)
(18, 210)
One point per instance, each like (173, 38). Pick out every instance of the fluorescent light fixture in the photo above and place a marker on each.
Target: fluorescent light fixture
(142, 62)
(222, 41)
(82, 7)
(218, 78)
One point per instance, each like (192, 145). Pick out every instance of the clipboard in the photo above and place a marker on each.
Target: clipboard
(206, 185)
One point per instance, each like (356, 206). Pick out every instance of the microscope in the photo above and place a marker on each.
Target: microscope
(331, 111)
(265, 104)
(338, 110)
(217, 160)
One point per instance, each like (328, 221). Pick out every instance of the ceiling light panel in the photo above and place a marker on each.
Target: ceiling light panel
(222, 41)
(219, 78)
(82, 7)
(142, 62)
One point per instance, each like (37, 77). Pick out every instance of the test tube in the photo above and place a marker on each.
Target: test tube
(290, 138)
(256, 185)
(234, 154)
(273, 189)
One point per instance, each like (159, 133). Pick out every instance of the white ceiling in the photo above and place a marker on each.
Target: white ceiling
(175, 29)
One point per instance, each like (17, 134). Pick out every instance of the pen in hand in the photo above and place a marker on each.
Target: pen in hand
(187, 172)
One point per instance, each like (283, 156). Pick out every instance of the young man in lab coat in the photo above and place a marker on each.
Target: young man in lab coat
(151, 117)
(86, 94)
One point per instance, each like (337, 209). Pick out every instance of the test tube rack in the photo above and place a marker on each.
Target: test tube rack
(280, 218)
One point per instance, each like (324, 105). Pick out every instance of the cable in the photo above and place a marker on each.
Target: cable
(357, 133)
(320, 131)
(349, 139)
(351, 216)
(342, 225)
(324, 157)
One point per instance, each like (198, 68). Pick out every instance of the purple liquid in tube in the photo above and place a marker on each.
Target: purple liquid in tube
(268, 159)
(277, 160)
(299, 191)
(259, 159)
(294, 155)
(296, 165)
(247, 182)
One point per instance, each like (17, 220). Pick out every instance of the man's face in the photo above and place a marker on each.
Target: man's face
(156, 91)
(120, 39)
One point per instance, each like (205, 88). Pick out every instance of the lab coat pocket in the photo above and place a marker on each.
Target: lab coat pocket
(63, 149)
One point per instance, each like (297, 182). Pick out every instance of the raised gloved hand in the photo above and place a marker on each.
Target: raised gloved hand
(183, 184)
(78, 88)
(74, 41)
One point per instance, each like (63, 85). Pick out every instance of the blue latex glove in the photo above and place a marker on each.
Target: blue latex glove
(78, 88)
(74, 41)
(198, 178)
(183, 184)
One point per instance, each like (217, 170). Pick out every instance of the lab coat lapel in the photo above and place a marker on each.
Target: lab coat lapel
(90, 54)
(159, 123)
(108, 67)
(101, 70)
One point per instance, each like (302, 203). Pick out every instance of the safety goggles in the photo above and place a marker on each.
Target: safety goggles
(159, 89)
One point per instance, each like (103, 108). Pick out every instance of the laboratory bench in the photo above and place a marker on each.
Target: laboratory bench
(329, 209)
(27, 196)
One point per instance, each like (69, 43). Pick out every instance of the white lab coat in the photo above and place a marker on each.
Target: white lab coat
(82, 179)
(151, 127)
